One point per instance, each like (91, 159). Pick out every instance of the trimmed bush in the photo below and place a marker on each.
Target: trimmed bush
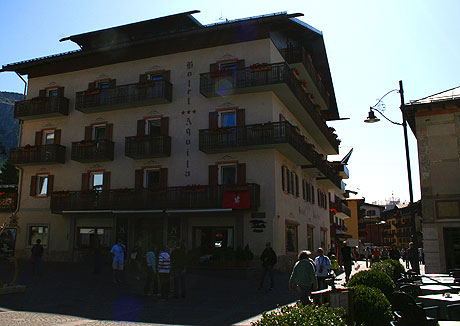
(299, 315)
(371, 307)
(375, 279)
(392, 268)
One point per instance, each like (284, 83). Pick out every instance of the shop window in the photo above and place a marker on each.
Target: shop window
(291, 237)
(37, 232)
(42, 185)
(152, 178)
(213, 237)
(88, 237)
(228, 174)
(48, 137)
(97, 181)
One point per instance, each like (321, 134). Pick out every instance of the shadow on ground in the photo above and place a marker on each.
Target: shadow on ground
(72, 289)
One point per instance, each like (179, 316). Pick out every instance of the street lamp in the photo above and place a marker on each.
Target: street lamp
(371, 119)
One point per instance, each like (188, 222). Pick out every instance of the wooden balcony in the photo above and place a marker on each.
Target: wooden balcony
(298, 57)
(88, 151)
(40, 154)
(8, 201)
(171, 198)
(140, 147)
(41, 107)
(279, 79)
(278, 135)
(340, 209)
(124, 97)
(325, 173)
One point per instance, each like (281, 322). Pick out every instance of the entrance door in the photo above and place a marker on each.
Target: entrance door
(452, 247)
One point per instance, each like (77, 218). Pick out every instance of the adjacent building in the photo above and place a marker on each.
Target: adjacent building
(398, 229)
(168, 130)
(435, 121)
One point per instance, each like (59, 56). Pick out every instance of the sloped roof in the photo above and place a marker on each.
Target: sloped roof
(450, 94)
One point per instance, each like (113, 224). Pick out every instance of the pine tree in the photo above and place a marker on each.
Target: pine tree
(9, 174)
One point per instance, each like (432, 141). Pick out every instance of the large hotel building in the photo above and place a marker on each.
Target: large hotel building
(168, 130)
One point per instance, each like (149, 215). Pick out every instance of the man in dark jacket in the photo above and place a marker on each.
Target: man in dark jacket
(394, 253)
(178, 261)
(269, 260)
(347, 260)
(412, 257)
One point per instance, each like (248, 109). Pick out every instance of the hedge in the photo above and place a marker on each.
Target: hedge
(375, 279)
(371, 307)
(393, 268)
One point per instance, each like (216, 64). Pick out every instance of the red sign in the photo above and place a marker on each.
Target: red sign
(237, 200)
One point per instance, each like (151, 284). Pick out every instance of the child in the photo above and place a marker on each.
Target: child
(335, 265)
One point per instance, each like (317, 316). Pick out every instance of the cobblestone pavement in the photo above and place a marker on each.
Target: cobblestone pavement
(69, 294)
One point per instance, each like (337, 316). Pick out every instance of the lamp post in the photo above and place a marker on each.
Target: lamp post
(371, 119)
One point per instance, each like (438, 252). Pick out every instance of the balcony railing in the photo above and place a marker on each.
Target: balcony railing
(41, 154)
(41, 107)
(171, 198)
(297, 55)
(340, 209)
(124, 96)
(138, 147)
(263, 79)
(8, 201)
(92, 151)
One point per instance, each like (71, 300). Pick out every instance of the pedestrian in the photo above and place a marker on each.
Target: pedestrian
(394, 253)
(335, 265)
(376, 255)
(412, 257)
(347, 260)
(151, 262)
(303, 277)
(135, 262)
(269, 260)
(368, 256)
(164, 270)
(178, 261)
(323, 264)
(118, 253)
(36, 257)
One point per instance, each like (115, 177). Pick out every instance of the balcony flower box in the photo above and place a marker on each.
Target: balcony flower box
(91, 91)
(60, 194)
(156, 190)
(263, 127)
(38, 100)
(148, 83)
(221, 73)
(194, 188)
(236, 187)
(220, 131)
(29, 148)
(260, 67)
(296, 73)
(86, 143)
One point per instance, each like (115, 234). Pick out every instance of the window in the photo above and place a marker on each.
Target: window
(310, 241)
(312, 194)
(152, 178)
(97, 181)
(103, 84)
(99, 132)
(153, 127)
(228, 119)
(323, 238)
(296, 179)
(87, 237)
(154, 77)
(37, 232)
(212, 237)
(42, 185)
(227, 65)
(283, 178)
(291, 237)
(304, 189)
(53, 92)
(48, 137)
(228, 174)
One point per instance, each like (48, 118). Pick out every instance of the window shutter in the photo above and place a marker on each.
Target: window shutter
(312, 194)
(106, 181)
(213, 179)
(213, 124)
(296, 185)
(61, 91)
(85, 181)
(57, 136)
(109, 131)
(240, 117)
(241, 173)
(166, 75)
(213, 67)
(49, 190)
(139, 179)
(33, 185)
(283, 178)
(164, 127)
(38, 138)
(112, 83)
(288, 177)
(88, 132)
(163, 178)
(142, 78)
(91, 86)
(240, 64)
(318, 197)
(42, 93)
(141, 127)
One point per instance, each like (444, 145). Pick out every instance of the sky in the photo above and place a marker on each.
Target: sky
(370, 45)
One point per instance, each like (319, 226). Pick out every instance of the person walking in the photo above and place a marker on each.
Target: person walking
(36, 257)
(303, 277)
(151, 262)
(323, 264)
(412, 257)
(178, 261)
(118, 253)
(394, 253)
(269, 260)
(368, 256)
(135, 261)
(164, 269)
(347, 260)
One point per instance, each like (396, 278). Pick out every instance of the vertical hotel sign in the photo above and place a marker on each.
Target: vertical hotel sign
(188, 120)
